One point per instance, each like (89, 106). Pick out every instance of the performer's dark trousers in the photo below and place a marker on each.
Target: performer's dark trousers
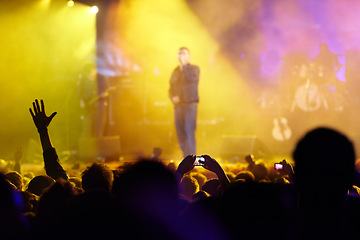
(185, 123)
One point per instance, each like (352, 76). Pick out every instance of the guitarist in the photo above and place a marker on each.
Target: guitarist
(94, 91)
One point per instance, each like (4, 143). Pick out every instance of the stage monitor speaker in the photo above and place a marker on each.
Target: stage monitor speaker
(235, 148)
(107, 148)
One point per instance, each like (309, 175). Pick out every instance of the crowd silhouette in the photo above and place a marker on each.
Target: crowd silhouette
(316, 197)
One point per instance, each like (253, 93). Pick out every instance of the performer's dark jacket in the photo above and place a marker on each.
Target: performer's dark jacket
(185, 84)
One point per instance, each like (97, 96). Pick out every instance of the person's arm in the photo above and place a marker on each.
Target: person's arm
(287, 170)
(213, 166)
(191, 73)
(185, 166)
(53, 167)
(173, 92)
(250, 159)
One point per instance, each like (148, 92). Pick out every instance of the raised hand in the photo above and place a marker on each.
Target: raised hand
(211, 164)
(39, 117)
(287, 169)
(250, 159)
(187, 164)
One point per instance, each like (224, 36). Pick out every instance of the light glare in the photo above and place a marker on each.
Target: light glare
(70, 3)
(45, 3)
(94, 10)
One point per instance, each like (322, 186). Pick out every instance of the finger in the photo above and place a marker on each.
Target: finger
(207, 157)
(52, 115)
(37, 105)
(42, 106)
(34, 106)
(31, 112)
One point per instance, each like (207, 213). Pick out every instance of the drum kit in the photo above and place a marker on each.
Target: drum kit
(316, 89)
(308, 98)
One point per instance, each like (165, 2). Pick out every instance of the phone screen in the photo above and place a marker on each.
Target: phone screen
(278, 166)
(199, 161)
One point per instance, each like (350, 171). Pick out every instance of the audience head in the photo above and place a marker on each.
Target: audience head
(260, 171)
(8, 205)
(201, 178)
(56, 196)
(324, 157)
(98, 176)
(188, 186)
(12, 223)
(38, 184)
(212, 186)
(151, 191)
(143, 179)
(200, 195)
(171, 166)
(15, 178)
(95, 215)
(51, 208)
(245, 175)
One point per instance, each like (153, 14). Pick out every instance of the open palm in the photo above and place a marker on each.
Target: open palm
(38, 114)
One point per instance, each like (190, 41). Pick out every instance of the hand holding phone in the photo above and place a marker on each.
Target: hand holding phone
(284, 168)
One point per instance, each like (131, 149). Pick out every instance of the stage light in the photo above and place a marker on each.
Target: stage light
(70, 3)
(45, 4)
(94, 10)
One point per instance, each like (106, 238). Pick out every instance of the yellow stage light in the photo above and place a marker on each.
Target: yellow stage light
(45, 3)
(94, 10)
(70, 3)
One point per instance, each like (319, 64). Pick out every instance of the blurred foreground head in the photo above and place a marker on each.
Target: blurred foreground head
(324, 156)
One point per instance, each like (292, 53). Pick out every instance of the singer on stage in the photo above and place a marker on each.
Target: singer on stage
(183, 93)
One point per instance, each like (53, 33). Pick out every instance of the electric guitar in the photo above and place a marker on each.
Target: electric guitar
(97, 98)
(281, 130)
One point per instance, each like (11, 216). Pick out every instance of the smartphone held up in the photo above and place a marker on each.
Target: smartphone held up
(199, 161)
(278, 166)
